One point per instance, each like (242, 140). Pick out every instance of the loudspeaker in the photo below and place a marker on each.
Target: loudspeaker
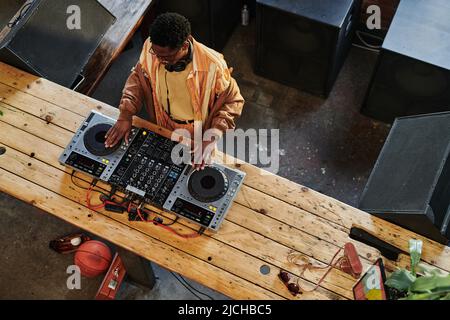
(412, 75)
(40, 39)
(212, 21)
(303, 43)
(8, 9)
(410, 183)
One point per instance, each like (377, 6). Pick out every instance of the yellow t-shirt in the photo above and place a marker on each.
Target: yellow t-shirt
(179, 97)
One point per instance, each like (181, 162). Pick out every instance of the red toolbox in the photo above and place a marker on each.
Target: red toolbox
(112, 281)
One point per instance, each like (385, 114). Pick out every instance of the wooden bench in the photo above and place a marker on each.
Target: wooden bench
(270, 218)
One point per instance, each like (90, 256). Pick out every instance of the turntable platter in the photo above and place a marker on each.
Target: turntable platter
(94, 140)
(208, 185)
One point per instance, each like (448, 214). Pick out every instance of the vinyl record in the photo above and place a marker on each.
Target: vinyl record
(94, 140)
(208, 185)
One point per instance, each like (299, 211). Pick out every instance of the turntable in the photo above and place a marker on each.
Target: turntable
(145, 169)
(204, 196)
(87, 153)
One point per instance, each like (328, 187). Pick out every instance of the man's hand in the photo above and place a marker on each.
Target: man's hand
(117, 132)
(203, 157)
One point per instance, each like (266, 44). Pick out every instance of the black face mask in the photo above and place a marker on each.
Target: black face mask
(181, 64)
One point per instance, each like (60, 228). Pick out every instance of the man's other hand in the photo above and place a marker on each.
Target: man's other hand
(202, 155)
(117, 132)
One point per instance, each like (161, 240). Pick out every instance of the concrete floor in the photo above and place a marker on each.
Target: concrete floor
(326, 144)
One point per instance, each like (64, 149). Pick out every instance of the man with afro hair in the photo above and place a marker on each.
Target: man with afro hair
(181, 82)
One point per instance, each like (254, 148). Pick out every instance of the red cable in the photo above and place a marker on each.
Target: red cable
(139, 214)
(331, 266)
(88, 201)
(90, 206)
(186, 236)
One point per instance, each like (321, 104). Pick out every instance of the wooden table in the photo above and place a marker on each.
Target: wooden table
(270, 217)
(129, 15)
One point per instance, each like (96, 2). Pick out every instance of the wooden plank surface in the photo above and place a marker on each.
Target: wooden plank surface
(270, 218)
(60, 119)
(242, 215)
(130, 239)
(257, 244)
(28, 145)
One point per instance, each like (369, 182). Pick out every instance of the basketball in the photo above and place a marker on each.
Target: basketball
(93, 258)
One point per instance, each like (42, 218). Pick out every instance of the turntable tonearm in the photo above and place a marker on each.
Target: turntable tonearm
(144, 168)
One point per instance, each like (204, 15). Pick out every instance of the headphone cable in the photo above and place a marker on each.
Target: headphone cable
(168, 100)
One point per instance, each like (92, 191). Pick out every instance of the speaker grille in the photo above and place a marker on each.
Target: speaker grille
(212, 21)
(298, 36)
(197, 13)
(412, 172)
(419, 79)
(52, 49)
(225, 17)
(8, 8)
(403, 86)
(299, 51)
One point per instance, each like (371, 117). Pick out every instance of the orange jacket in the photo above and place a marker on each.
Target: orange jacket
(215, 95)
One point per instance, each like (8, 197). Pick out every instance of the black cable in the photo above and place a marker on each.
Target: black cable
(171, 223)
(85, 188)
(94, 182)
(164, 224)
(168, 101)
(21, 14)
(187, 287)
(192, 287)
(112, 191)
(110, 196)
